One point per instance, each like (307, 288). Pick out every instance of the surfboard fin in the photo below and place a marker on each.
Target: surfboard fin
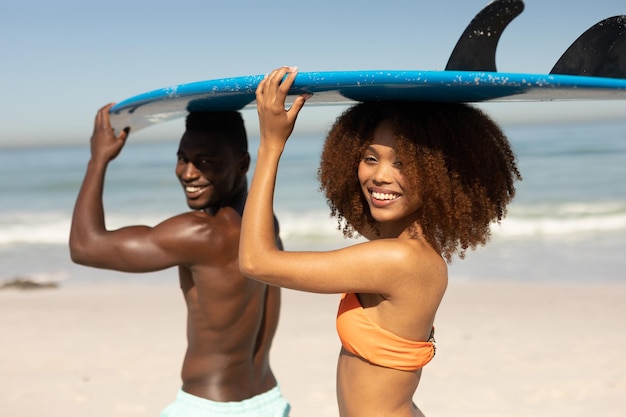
(476, 48)
(599, 52)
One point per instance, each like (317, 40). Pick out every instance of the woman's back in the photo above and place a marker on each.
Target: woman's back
(388, 339)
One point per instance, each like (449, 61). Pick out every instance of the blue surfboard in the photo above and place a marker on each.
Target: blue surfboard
(592, 68)
(345, 87)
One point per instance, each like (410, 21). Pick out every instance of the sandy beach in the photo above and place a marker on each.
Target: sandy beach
(504, 349)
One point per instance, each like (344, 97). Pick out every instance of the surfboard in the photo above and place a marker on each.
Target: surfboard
(344, 87)
(592, 68)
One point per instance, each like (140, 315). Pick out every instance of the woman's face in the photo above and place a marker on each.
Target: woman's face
(392, 202)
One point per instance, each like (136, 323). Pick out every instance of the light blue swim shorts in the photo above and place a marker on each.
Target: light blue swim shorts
(268, 404)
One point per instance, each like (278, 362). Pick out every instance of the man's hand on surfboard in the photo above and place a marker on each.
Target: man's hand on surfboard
(104, 142)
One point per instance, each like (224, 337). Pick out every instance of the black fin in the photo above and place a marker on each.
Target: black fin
(476, 48)
(599, 52)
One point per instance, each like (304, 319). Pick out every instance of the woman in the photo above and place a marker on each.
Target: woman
(422, 182)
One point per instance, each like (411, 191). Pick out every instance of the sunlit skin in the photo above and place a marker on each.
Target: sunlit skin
(422, 182)
(391, 201)
(209, 171)
(231, 319)
(398, 279)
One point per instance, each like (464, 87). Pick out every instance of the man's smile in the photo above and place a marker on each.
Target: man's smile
(194, 190)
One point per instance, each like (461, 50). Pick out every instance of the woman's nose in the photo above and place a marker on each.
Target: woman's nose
(382, 175)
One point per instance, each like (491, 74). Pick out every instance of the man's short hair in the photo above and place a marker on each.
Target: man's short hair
(229, 123)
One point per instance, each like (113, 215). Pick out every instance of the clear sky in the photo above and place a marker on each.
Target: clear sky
(61, 60)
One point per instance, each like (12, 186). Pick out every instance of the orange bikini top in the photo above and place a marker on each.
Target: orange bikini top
(362, 337)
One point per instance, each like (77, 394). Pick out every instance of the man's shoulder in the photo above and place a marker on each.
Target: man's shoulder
(195, 232)
(224, 219)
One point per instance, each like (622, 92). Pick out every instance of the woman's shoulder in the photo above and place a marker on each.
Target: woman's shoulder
(423, 281)
(411, 262)
(417, 254)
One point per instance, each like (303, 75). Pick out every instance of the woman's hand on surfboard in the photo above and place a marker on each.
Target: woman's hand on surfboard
(105, 144)
(275, 121)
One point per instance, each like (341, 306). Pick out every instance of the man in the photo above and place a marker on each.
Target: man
(231, 319)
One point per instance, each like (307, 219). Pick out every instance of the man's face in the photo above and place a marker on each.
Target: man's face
(209, 170)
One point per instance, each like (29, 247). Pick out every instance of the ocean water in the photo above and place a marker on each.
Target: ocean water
(567, 223)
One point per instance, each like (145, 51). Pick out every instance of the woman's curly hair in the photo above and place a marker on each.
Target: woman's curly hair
(454, 155)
